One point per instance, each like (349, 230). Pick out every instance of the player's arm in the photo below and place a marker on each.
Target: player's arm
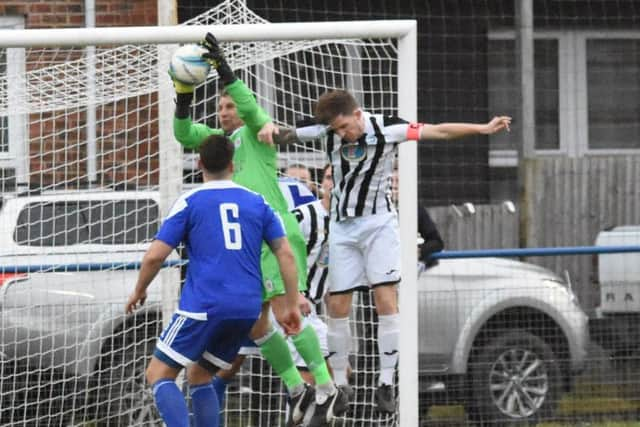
(253, 116)
(458, 130)
(151, 264)
(188, 134)
(304, 131)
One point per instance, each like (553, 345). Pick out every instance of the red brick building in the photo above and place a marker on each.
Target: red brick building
(57, 140)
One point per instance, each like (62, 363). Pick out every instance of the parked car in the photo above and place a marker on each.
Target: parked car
(503, 337)
(72, 324)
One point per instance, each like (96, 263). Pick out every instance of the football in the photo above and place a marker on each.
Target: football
(187, 64)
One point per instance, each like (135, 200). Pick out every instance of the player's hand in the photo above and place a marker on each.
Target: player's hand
(215, 56)
(266, 134)
(290, 320)
(135, 298)
(304, 304)
(179, 86)
(497, 124)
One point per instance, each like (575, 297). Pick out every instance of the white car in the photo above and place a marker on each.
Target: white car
(69, 326)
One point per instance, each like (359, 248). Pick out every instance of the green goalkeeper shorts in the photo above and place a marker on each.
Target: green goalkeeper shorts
(272, 282)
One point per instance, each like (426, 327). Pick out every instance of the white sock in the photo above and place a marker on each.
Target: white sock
(339, 341)
(323, 391)
(388, 339)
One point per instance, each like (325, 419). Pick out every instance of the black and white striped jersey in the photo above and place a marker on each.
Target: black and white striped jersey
(314, 224)
(361, 170)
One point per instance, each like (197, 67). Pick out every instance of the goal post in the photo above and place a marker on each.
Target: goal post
(403, 47)
(171, 34)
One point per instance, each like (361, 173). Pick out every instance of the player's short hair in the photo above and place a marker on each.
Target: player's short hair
(334, 103)
(216, 153)
(324, 169)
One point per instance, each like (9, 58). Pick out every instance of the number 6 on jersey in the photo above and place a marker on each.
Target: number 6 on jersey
(231, 241)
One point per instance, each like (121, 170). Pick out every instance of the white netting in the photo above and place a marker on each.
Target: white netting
(70, 357)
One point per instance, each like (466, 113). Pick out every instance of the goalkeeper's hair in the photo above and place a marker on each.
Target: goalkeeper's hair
(216, 153)
(333, 104)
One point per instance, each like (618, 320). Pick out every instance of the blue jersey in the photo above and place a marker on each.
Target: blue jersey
(223, 226)
(295, 192)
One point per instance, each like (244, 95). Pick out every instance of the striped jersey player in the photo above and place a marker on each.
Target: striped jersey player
(364, 244)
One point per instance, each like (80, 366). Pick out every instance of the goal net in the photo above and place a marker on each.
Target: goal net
(89, 168)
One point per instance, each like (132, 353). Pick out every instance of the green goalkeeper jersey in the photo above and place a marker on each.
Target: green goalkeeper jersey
(255, 167)
(255, 163)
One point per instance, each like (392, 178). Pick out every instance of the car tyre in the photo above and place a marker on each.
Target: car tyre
(515, 379)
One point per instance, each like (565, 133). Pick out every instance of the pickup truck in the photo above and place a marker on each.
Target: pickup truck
(616, 323)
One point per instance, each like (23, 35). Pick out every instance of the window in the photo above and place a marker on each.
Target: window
(587, 89)
(613, 83)
(52, 224)
(64, 223)
(503, 91)
(117, 222)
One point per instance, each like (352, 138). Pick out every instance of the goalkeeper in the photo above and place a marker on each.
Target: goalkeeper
(255, 168)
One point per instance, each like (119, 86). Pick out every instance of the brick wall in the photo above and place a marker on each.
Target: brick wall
(70, 13)
(57, 141)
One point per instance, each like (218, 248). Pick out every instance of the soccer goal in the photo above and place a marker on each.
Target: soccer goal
(86, 122)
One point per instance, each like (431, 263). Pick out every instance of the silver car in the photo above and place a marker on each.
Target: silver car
(503, 337)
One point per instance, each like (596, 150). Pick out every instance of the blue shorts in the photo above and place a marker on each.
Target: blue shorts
(186, 340)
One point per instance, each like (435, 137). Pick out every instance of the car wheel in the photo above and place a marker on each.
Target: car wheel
(124, 399)
(516, 378)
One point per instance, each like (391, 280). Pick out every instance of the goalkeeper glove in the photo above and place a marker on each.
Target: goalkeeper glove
(216, 58)
(184, 94)
(179, 86)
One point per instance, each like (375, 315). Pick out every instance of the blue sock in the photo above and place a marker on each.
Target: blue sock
(171, 403)
(220, 385)
(204, 402)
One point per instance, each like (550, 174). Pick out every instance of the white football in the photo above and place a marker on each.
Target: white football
(188, 66)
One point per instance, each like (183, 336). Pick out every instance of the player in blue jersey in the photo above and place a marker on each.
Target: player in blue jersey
(223, 226)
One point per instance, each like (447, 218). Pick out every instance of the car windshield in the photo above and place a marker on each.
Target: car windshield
(104, 222)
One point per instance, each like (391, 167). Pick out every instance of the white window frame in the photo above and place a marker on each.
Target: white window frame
(573, 118)
(582, 95)
(509, 158)
(16, 157)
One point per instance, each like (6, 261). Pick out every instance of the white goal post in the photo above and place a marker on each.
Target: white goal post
(403, 31)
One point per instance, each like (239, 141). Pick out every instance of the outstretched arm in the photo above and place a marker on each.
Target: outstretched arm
(253, 116)
(304, 131)
(459, 130)
(188, 134)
